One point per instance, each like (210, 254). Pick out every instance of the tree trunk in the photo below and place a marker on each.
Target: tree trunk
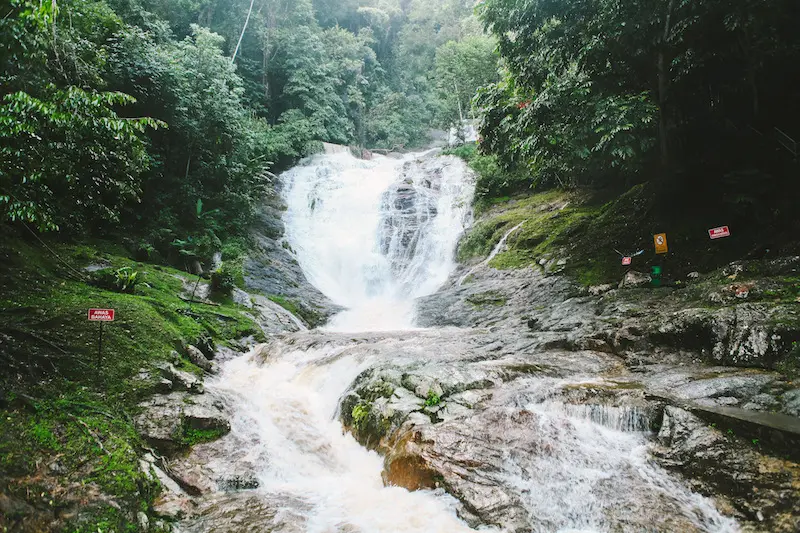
(663, 89)
(264, 66)
(244, 29)
(458, 99)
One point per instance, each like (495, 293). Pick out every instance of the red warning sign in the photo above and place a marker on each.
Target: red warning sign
(626, 261)
(101, 315)
(718, 233)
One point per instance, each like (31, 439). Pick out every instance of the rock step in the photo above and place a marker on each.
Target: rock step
(775, 432)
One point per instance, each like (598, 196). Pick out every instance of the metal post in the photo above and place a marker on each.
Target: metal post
(100, 347)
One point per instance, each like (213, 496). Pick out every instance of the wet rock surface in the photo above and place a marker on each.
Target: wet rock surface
(198, 358)
(247, 512)
(534, 400)
(271, 268)
(166, 420)
(729, 452)
(761, 488)
(447, 407)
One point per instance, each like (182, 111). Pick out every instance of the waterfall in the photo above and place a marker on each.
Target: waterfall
(374, 235)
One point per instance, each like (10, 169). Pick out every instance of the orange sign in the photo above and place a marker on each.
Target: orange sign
(660, 241)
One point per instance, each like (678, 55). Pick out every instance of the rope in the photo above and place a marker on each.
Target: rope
(80, 275)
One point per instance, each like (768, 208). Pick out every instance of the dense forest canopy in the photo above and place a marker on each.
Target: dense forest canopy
(168, 117)
(606, 90)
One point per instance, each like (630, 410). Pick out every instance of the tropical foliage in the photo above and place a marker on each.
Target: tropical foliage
(163, 121)
(600, 90)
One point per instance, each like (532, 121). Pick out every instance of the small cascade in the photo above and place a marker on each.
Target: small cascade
(497, 249)
(626, 418)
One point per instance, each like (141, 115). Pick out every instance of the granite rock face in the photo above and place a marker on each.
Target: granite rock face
(271, 268)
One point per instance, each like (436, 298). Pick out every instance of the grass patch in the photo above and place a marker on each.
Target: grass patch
(67, 416)
(549, 220)
(433, 399)
(287, 304)
(359, 415)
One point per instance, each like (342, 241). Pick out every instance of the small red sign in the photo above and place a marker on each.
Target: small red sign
(718, 233)
(101, 315)
(626, 261)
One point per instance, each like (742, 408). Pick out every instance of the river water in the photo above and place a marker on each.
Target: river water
(373, 236)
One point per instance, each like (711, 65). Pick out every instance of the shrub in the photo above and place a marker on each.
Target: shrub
(433, 399)
(122, 280)
(223, 280)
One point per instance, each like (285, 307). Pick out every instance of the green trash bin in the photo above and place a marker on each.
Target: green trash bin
(655, 276)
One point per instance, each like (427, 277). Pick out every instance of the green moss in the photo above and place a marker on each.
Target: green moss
(494, 298)
(359, 414)
(287, 304)
(591, 273)
(191, 436)
(790, 365)
(548, 221)
(64, 405)
(41, 433)
(559, 225)
(480, 239)
(103, 519)
(309, 316)
(536, 213)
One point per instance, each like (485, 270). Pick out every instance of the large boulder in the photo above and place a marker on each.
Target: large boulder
(748, 334)
(271, 267)
(198, 358)
(171, 423)
(179, 380)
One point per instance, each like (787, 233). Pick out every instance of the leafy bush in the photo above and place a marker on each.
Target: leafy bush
(70, 187)
(122, 280)
(223, 280)
(494, 181)
(234, 249)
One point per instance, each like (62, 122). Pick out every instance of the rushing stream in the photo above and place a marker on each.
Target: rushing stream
(373, 236)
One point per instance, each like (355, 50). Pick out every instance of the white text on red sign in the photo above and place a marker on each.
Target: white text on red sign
(101, 315)
(718, 233)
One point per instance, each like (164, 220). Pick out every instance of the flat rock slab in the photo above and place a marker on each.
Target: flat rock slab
(777, 432)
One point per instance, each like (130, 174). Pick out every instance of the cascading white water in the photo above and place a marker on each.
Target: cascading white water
(304, 456)
(374, 235)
